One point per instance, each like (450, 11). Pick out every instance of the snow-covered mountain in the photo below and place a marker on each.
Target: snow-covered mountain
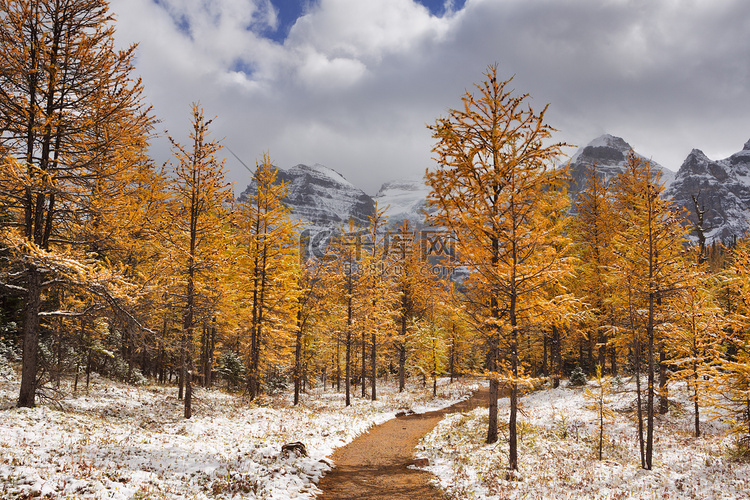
(609, 153)
(404, 200)
(722, 188)
(324, 201)
(320, 197)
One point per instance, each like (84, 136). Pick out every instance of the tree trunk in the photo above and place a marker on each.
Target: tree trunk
(556, 357)
(601, 424)
(494, 390)
(363, 375)
(187, 339)
(338, 364)
(183, 369)
(663, 379)
(59, 353)
(88, 370)
(639, 400)
(374, 395)
(401, 367)
(650, 394)
(695, 401)
(210, 359)
(347, 361)
(347, 373)
(512, 430)
(298, 357)
(189, 385)
(27, 395)
(581, 351)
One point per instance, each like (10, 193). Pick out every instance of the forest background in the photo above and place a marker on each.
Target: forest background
(112, 264)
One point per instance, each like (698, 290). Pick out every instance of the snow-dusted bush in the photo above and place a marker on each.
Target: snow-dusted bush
(577, 378)
(121, 370)
(8, 355)
(232, 370)
(275, 383)
(8, 350)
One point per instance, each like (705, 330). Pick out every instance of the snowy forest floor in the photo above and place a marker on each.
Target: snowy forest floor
(558, 439)
(122, 442)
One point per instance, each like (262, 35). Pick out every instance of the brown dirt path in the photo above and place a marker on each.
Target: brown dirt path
(375, 464)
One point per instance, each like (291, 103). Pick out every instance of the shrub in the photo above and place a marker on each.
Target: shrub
(8, 355)
(577, 378)
(232, 370)
(276, 383)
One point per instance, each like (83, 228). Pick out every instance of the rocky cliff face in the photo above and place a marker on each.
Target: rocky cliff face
(321, 197)
(723, 190)
(610, 154)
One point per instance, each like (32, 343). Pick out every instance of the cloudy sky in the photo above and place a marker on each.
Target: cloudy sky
(351, 84)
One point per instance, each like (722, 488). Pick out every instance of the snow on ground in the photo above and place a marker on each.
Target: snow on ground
(558, 446)
(120, 442)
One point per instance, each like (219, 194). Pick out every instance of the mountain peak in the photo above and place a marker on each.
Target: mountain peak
(610, 141)
(321, 197)
(722, 189)
(605, 150)
(610, 154)
(697, 153)
(404, 199)
(318, 170)
(746, 147)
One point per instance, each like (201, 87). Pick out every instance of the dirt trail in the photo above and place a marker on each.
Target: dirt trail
(374, 465)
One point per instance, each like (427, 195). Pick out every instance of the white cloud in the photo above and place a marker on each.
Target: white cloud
(356, 81)
(365, 29)
(323, 74)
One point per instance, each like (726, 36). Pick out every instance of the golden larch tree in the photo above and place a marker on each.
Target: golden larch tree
(695, 342)
(496, 188)
(594, 225)
(735, 363)
(378, 300)
(342, 280)
(269, 261)
(73, 118)
(199, 192)
(649, 269)
(416, 287)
